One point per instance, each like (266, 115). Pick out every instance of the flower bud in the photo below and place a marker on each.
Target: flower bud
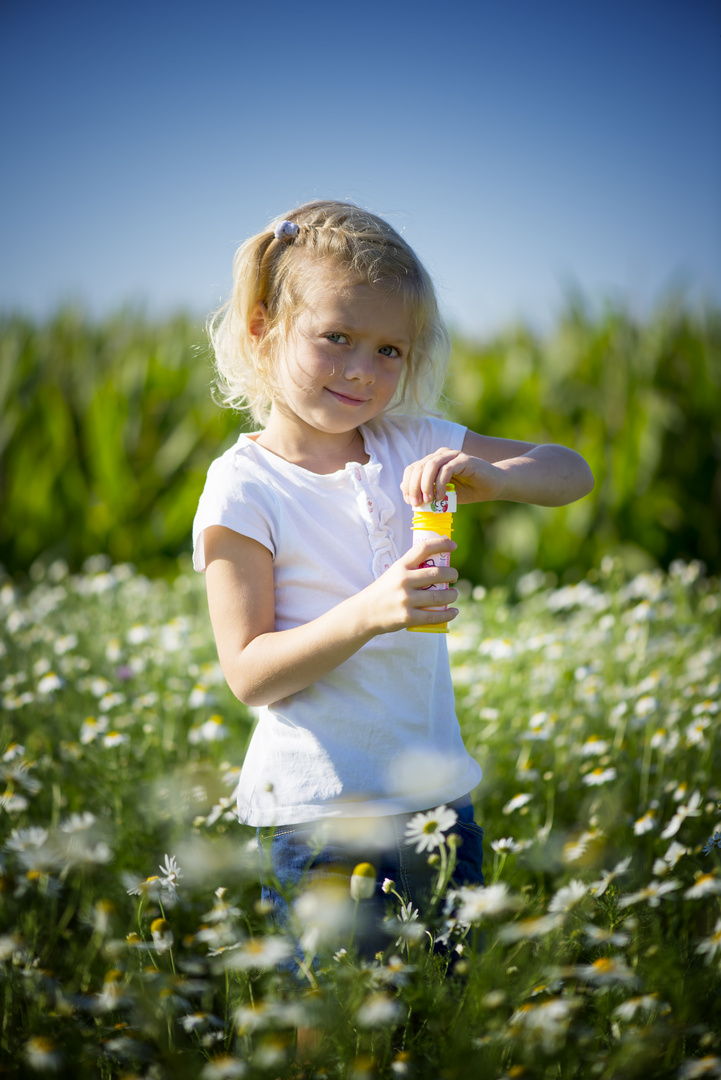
(363, 881)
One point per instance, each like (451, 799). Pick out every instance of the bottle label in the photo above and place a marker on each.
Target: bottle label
(445, 504)
(443, 558)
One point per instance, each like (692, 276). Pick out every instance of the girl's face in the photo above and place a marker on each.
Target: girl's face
(342, 360)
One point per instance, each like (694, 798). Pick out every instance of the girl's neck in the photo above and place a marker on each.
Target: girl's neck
(317, 451)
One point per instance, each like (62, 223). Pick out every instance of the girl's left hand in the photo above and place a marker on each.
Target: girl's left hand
(475, 480)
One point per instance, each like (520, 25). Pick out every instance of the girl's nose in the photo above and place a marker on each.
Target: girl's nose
(359, 365)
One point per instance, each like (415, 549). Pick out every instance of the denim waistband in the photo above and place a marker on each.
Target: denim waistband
(460, 804)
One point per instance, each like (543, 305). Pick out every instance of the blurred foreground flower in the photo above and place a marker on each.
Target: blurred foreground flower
(547, 1022)
(224, 1067)
(517, 802)
(478, 902)
(325, 914)
(42, 1054)
(380, 1010)
(567, 897)
(530, 928)
(710, 946)
(162, 934)
(605, 971)
(630, 1009)
(705, 885)
(653, 893)
(256, 954)
(690, 809)
(598, 888)
(700, 1067)
(599, 776)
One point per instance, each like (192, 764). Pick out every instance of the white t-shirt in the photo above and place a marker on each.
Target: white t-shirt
(378, 734)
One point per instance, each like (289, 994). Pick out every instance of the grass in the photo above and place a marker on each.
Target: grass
(132, 938)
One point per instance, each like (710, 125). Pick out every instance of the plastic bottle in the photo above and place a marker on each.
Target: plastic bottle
(431, 521)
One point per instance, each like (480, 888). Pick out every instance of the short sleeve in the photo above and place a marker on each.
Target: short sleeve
(433, 432)
(236, 499)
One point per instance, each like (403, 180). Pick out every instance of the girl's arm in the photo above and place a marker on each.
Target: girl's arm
(488, 468)
(262, 664)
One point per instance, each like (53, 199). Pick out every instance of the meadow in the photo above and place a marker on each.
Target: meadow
(132, 938)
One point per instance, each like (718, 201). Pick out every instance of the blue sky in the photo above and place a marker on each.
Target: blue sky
(522, 147)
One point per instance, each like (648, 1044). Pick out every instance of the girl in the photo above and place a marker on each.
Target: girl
(333, 340)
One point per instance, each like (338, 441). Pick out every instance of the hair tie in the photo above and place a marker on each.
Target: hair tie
(286, 230)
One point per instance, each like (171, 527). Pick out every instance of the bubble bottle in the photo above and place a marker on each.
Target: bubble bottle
(431, 521)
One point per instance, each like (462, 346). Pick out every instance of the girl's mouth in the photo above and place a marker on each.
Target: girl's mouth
(345, 399)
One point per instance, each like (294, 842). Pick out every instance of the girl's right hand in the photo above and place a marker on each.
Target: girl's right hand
(262, 664)
(400, 597)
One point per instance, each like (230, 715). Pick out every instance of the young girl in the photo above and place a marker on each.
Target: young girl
(333, 340)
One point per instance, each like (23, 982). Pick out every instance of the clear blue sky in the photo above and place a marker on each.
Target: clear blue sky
(521, 146)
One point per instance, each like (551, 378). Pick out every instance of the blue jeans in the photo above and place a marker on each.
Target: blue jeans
(299, 857)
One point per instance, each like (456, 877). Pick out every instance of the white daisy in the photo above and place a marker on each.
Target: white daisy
(530, 928)
(171, 873)
(50, 683)
(567, 897)
(598, 936)
(598, 888)
(645, 1003)
(547, 1021)
(379, 1010)
(427, 830)
(114, 738)
(477, 902)
(258, 953)
(77, 823)
(705, 885)
(653, 893)
(599, 776)
(689, 809)
(506, 846)
(22, 840)
(645, 823)
(605, 971)
(517, 802)
(710, 946)
(700, 1067)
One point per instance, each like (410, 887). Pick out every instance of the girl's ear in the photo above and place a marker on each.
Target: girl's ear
(258, 321)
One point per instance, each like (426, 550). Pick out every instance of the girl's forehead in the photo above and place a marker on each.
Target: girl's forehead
(339, 298)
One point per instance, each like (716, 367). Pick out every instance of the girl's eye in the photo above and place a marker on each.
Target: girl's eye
(389, 350)
(337, 338)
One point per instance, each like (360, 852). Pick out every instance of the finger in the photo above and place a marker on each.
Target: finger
(433, 579)
(437, 472)
(419, 482)
(431, 598)
(428, 617)
(420, 552)
(451, 466)
(424, 576)
(447, 471)
(412, 480)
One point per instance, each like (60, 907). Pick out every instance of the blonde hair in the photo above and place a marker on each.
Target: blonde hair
(279, 273)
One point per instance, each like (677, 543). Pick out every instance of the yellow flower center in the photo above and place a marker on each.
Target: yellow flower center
(365, 870)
